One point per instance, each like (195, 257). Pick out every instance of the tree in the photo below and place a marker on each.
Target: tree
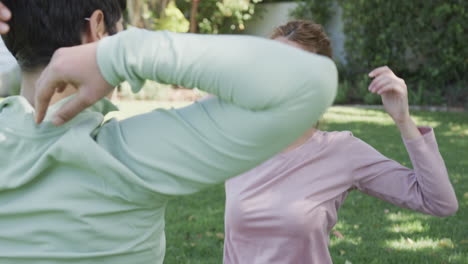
(142, 12)
(193, 16)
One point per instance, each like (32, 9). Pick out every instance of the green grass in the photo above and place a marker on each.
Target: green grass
(374, 231)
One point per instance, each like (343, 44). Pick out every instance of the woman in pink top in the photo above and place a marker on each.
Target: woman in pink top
(283, 210)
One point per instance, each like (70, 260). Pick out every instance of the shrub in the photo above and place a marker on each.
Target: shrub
(423, 41)
(173, 20)
(221, 17)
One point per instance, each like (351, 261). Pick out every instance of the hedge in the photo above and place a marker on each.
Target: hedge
(424, 42)
(221, 17)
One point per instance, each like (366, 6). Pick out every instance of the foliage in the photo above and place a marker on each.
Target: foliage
(157, 15)
(355, 91)
(10, 81)
(221, 17)
(423, 41)
(173, 20)
(142, 13)
(275, 1)
(319, 11)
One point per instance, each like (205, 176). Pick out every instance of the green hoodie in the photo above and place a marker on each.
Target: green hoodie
(94, 192)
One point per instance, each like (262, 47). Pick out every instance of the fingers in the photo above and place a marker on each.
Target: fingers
(378, 82)
(383, 77)
(76, 66)
(4, 28)
(70, 110)
(5, 15)
(45, 89)
(380, 70)
(384, 84)
(387, 88)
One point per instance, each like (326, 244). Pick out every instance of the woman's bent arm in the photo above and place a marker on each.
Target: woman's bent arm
(268, 94)
(426, 188)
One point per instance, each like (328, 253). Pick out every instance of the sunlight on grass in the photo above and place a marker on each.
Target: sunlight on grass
(457, 130)
(424, 243)
(342, 114)
(422, 122)
(348, 240)
(403, 217)
(408, 227)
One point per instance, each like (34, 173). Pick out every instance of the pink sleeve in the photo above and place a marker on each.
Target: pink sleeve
(427, 188)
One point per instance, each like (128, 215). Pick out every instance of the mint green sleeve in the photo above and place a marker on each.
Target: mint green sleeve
(267, 95)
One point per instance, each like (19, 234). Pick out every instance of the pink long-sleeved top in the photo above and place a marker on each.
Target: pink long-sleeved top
(282, 211)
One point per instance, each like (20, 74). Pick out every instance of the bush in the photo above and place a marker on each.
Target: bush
(173, 20)
(423, 41)
(319, 11)
(355, 91)
(221, 17)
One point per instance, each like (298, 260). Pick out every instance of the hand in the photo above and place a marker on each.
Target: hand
(5, 15)
(393, 91)
(75, 66)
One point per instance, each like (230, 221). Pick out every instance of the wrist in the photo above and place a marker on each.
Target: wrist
(402, 120)
(408, 128)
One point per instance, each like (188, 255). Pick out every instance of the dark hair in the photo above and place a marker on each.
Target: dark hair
(39, 27)
(308, 34)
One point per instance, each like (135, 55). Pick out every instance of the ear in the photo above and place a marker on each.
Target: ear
(95, 28)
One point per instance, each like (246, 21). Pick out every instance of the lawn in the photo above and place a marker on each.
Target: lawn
(372, 231)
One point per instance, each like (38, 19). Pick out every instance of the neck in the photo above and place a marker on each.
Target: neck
(303, 139)
(28, 88)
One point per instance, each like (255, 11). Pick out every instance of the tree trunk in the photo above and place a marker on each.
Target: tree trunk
(135, 13)
(193, 16)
